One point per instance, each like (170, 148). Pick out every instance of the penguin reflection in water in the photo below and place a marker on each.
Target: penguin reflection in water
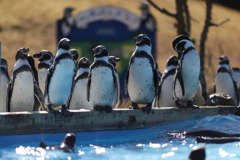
(142, 76)
(60, 79)
(102, 82)
(23, 81)
(186, 80)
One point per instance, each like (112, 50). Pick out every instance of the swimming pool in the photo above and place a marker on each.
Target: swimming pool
(151, 143)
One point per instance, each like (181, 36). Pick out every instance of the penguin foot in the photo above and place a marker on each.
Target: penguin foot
(50, 110)
(190, 105)
(148, 108)
(134, 106)
(65, 112)
(107, 109)
(179, 105)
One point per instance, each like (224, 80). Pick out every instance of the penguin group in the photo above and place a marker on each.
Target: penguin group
(68, 82)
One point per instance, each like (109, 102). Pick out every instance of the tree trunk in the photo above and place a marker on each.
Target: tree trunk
(205, 32)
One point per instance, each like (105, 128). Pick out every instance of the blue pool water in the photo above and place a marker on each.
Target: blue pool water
(151, 143)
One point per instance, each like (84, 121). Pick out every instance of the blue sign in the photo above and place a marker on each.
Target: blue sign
(109, 26)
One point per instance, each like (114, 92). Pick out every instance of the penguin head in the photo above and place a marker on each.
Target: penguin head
(4, 63)
(43, 55)
(69, 140)
(181, 43)
(83, 63)
(142, 39)
(197, 153)
(22, 53)
(113, 60)
(172, 61)
(64, 43)
(68, 11)
(74, 54)
(223, 60)
(100, 51)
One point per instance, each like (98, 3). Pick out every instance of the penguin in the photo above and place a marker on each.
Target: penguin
(102, 82)
(4, 80)
(22, 81)
(141, 80)
(67, 21)
(164, 97)
(197, 153)
(236, 76)
(45, 59)
(79, 99)
(147, 19)
(117, 100)
(75, 55)
(35, 74)
(60, 79)
(198, 99)
(186, 79)
(67, 145)
(224, 82)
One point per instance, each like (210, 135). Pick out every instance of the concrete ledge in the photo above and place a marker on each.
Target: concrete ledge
(16, 123)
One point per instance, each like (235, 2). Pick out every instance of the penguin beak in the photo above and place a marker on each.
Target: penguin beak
(37, 55)
(94, 50)
(137, 40)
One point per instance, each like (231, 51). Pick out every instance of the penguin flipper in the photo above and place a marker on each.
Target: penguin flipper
(9, 95)
(38, 93)
(126, 82)
(179, 78)
(42, 144)
(72, 89)
(49, 73)
(88, 87)
(156, 80)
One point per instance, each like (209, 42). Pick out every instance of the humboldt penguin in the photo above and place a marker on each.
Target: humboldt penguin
(67, 21)
(186, 80)
(142, 80)
(78, 99)
(67, 144)
(45, 59)
(117, 100)
(60, 79)
(224, 82)
(75, 55)
(102, 82)
(22, 87)
(4, 80)
(164, 97)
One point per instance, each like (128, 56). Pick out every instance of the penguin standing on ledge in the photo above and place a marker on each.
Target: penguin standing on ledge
(60, 79)
(102, 83)
(142, 80)
(45, 58)
(4, 80)
(117, 100)
(224, 82)
(186, 80)
(22, 81)
(79, 99)
(164, 97)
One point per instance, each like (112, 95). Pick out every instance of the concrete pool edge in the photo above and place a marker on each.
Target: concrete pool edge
(19, 123)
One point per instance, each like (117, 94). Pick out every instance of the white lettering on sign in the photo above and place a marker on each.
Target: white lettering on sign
(106, 13)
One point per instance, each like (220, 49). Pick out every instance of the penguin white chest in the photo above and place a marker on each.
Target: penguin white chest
(79, 97)
(102, 88)
(23, 92)
(166, 95)
(61, 82)
(42, 74)
(225, 84)
(141, 86)
(3, 92)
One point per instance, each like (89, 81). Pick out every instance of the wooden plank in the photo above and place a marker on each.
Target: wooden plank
(15, 123)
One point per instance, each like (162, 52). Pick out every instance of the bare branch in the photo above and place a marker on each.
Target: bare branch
(219, 24)
(162, 10)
